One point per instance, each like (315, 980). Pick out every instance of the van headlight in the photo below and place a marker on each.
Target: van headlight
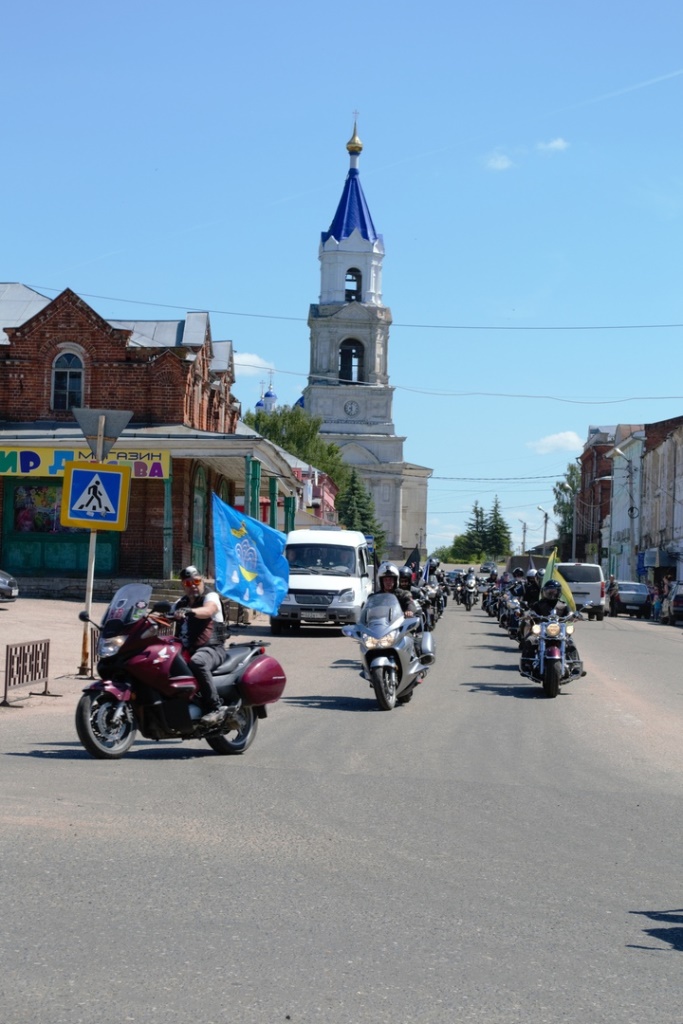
(344, 597)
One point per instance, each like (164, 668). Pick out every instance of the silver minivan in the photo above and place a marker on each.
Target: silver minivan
(587, 584)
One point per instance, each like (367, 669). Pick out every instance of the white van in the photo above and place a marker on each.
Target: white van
(587, 583)
(329, 578)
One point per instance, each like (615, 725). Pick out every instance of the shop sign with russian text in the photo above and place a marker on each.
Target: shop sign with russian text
(143, 464)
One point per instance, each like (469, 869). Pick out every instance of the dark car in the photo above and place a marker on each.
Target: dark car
(672, 604)
(489, 567)
(9, 589)
(634, 599)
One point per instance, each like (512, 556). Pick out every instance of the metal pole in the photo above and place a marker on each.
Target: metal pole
(545, 529)
(632, 524)
(90, 575)
(574, 514)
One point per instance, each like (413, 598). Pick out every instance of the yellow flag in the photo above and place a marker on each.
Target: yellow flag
(553, 573)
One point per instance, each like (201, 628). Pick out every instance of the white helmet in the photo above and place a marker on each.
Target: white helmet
(390, 570)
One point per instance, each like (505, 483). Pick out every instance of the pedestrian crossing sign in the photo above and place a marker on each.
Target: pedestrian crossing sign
(95, 496)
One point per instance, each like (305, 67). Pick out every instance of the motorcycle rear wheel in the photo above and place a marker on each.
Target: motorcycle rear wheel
(105, 726)
(384, 685)
(239, 738)
(552, 676)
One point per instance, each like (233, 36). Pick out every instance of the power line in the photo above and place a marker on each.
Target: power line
(191, 307)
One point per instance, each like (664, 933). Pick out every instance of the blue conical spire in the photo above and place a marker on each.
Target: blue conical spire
(352, 212)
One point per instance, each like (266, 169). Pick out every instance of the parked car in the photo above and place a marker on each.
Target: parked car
(634, 599)
(489, 567)
(672, 604)
(9, 589)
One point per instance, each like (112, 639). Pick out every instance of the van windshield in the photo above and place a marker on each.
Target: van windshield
(580, 573)
(333, 559)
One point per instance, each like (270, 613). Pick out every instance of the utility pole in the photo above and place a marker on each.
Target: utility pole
(523, 536)
(546, 516)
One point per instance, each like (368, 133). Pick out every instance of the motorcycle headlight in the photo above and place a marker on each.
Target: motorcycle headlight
(109, 645)
(570, 629)
(553, 629)
(536, 629)
(383, 641)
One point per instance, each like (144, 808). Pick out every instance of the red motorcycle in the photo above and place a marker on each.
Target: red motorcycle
(146, 684)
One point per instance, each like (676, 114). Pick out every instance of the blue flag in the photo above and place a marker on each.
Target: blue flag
(250, 566)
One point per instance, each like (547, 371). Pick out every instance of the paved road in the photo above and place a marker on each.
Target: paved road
(480, 855)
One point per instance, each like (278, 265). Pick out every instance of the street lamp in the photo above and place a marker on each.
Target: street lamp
(545, 525)
(632, 511)
(574, 495)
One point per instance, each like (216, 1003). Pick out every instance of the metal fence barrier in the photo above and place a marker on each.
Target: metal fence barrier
(27, 663)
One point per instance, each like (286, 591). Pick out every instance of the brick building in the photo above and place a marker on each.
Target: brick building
(183, 441)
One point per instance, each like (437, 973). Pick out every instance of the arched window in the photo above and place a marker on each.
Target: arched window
(354, 285)
(351, 368)
(67, 382)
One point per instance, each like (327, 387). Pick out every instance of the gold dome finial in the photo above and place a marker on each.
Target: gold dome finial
(354, 145)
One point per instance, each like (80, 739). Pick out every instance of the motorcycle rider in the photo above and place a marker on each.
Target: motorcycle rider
(516, 587)
(388, 579)
(548, 602)
(532, 587)
(201, 629)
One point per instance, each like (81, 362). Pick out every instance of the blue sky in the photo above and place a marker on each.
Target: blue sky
(523, 162)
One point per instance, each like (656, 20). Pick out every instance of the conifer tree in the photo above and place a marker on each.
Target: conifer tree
(356, 511)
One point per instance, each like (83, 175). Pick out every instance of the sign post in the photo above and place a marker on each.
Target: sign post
(101, 429)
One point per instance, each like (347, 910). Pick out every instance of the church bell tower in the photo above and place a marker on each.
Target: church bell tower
(348, 384)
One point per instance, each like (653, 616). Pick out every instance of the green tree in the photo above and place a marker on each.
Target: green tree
(461, 549)
(564, 491)
(498, 537)
(299, 434)
(476, 533)
(356, 511)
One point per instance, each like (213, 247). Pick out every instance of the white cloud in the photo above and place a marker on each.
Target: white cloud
(249, 365)
(556, 146)
(567, 441)
(499, 162)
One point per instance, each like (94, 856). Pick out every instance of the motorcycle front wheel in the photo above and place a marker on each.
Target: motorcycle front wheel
(552, 676)
(240, 736)
(105, 726)
(384, 685)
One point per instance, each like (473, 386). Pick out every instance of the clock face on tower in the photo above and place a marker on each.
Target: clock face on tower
(351, 408)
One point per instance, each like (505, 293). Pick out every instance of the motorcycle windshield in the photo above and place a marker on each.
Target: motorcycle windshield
(128, 604)
(381, 609)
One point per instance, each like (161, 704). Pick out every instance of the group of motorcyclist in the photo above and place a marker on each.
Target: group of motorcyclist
(201, 623)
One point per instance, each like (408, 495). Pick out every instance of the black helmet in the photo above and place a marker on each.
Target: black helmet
(552, 590)
(405, 575)
(518, 573)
